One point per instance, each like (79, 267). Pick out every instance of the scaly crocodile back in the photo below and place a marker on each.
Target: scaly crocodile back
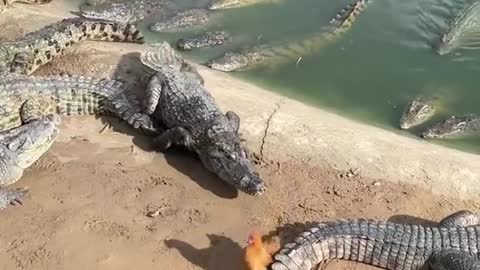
(387, 245)
(37, 48)
(69, 95)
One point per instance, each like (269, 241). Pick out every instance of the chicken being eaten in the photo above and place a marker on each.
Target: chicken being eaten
(258, 253)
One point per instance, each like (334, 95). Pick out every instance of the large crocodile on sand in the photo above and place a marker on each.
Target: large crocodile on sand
(207, 39)
(179, 102)
(24, 99)
(6, 3)
(462, 31)
(417, 112)
(454, 244)
(464, 125)
(28, 53)
(292, 50)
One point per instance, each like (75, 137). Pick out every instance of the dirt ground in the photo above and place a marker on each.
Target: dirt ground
(101, 198)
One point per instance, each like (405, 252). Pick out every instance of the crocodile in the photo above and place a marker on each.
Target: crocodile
(132, 11)
(19, 148)
(468, 124)
(226, 4)
(417, 111)
(462, 31)
(190, 17)
(27, 54)
(210, 39)
(6, 3)
(388, 245)
(292, 50)
(192, 119)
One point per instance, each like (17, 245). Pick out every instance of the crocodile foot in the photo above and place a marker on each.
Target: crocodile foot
(11, 197)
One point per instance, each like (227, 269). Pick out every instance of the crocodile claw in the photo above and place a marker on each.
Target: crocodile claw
(11, 197)
(145, 124)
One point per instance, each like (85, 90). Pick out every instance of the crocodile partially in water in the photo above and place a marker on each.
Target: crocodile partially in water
(191, 17)
(224, 4)
(167, 14)
(292, 50)
(207, 39)
(27, 54)
(6, 3)
(453, 244)
(417, 112)
(463, 31)
(464, 125)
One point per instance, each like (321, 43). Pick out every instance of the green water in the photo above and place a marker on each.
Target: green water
(371, 72)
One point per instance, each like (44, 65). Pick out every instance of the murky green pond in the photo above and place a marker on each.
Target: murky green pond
(371, 72)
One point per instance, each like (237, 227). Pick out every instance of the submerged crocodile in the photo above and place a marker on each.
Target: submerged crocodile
(167, 14)
(224, 4)
(454, 126)
(179, 102)
(27, 54)
(462, 31)
(453, 244)
(182, 19)
(6, 3)
(26, 98)
(207, 39)
(417, 112)
(292, 50)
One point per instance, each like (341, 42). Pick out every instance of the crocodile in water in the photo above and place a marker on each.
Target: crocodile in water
(462, 31)
(394, 246)
(417, 111)
(207, 39)
(464, 125)
(27, 54)
(224, 4)
(190, 17)
(179, 102)
(292, 50)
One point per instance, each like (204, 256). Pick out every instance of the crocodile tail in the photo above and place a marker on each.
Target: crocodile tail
(103, 30)
(354, 240)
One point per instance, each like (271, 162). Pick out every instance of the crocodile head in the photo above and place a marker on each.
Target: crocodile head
(229, 62)
(33, 139)
(416, 112)
(228, 159)
(446, 44)
(223, 4)
(449, 127)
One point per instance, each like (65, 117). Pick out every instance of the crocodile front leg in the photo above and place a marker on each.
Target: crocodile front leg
(176, 136)
(234, 120)
(453, 260)
(19, 149)
(461, 218)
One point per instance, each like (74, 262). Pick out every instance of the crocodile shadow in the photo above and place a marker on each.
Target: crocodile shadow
(132, 72)
(223, 253)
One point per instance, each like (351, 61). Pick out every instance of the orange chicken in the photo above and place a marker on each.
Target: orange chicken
(257, 253)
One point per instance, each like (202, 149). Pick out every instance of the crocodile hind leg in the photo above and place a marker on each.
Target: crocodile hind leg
(19, 149)
(461, 218)
(173, 136)
(452, 260)
(234, 120)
